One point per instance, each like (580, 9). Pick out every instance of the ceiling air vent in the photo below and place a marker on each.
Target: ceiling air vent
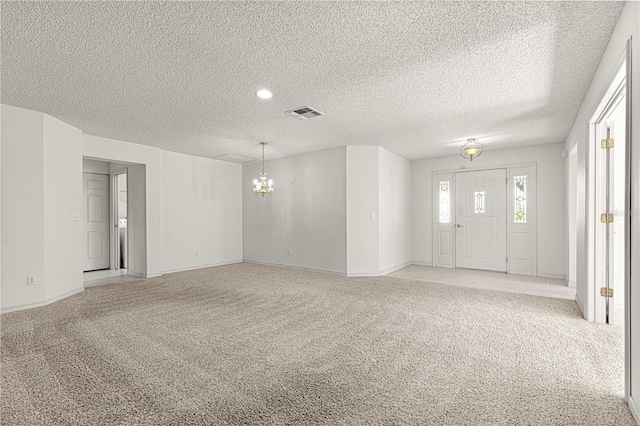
(304, 113)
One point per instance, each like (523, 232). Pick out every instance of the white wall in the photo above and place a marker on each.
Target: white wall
(62, 167)
(139, 222)
(628, 25)
(394, 180)
(201, 212)
(306, 212)
(572, 166)
(42, 164)
(363, 250)
(550, 199)
(22, 207)
(95, 166)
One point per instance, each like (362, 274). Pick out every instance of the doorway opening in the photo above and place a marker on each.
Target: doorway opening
(120, 205)
(114, 221)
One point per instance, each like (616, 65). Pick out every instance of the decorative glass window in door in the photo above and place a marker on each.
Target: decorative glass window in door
(520, 199)
(444, 195)
(478, 202)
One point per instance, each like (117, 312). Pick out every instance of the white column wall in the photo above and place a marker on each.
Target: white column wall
(22, 207)
(63, 237)
(363, 249)
(394, 183)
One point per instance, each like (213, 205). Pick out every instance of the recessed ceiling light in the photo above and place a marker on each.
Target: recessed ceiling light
(264, 94)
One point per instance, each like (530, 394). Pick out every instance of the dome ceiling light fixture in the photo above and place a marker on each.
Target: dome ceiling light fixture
(262, 186)
(471, 149)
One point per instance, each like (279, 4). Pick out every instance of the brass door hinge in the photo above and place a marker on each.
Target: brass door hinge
(606, 292)
(606, 218)
(606, 143)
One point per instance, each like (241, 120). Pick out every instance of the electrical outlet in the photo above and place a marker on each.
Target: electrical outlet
(289, 252)
(373, 216)
(196, 253)
(75, 217)
(31, 280)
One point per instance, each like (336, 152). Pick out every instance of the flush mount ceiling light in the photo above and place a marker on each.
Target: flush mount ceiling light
(471, 149)
(264, 94)
(262, 186)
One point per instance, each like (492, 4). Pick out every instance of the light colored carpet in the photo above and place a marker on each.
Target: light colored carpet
(251, 344)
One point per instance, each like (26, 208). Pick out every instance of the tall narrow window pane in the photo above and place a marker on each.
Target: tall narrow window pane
(444, 201)
(478, 202)
(520, 199)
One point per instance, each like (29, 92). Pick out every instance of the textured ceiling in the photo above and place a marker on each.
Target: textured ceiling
(414, 77)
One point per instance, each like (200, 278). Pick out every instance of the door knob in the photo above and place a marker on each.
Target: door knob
(458, 225)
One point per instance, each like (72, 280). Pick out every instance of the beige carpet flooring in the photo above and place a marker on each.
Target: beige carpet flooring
(253, 344)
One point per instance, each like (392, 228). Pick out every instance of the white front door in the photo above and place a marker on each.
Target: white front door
(96, 221)
(481, 220)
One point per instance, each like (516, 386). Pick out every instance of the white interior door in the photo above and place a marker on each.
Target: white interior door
(96, 221)
(481, 220)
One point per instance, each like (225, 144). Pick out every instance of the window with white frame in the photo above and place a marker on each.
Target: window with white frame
(444, 198)
(520, 199)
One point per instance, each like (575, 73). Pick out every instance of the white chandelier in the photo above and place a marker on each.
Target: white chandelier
(263, 186)
(471, 149)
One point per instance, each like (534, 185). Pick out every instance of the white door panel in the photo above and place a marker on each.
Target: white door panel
(443, 247)
(481, 214)
(96, 221)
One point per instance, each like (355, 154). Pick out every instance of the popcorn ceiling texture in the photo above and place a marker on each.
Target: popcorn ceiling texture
(254, 344)
(414, 77)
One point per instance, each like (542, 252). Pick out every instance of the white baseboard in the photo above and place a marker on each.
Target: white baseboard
(22, 306)
(581, 306)
(633, 407)
(553, 276)
(303, 268)
(191, 268)
(381, 273)
(141, 275)
(420, 263)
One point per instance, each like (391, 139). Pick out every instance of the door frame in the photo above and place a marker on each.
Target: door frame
(616, 83)
(86, 219)
(513, 169)
(114, 238)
